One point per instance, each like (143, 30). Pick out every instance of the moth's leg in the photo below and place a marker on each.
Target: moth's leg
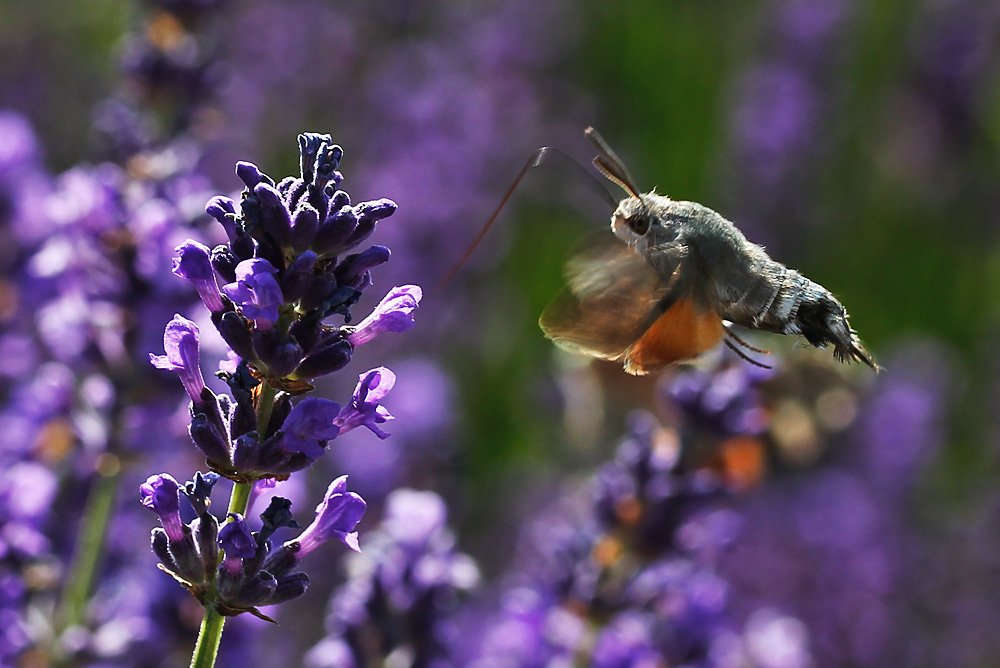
(733, 340)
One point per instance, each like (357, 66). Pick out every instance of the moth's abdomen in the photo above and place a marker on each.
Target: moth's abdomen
(822, 320)
(786, 302)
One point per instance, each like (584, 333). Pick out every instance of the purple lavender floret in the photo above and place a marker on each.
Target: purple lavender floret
(180, 341)
(161, 494)
(309, 426)
(364, 408)
(256, 292)
(336, 517)
(393, 314)
(193, 262)
(236, 538)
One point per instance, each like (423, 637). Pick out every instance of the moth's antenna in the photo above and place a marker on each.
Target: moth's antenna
(609, 164)
(541, 156)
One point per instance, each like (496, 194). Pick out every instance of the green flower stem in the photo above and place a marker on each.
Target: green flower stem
(239, 500)
(207, 646)
(265, 403)
(90, 542)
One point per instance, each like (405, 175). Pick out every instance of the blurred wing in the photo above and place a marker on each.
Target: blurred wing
(610, 298)
(617, 306)
(689, 327)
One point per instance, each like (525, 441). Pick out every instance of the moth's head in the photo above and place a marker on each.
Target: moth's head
(631, 220)
(638, 221)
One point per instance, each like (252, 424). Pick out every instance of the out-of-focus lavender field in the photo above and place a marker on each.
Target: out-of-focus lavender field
(528, 507)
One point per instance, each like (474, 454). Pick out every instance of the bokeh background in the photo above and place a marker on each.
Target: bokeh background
(858, 141)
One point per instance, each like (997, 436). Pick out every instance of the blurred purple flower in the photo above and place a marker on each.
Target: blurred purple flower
(401, 589)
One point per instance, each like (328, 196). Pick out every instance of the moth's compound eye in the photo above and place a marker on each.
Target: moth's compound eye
(638, 224)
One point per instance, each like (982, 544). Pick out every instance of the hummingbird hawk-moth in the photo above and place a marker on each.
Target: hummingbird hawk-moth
(674, 279)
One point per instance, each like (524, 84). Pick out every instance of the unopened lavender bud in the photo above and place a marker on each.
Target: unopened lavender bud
(244, 246)
(307, 332)
(289, 587)
(211, 408)
(249, 174)
(283, 559)
(285, 359)
(245, 453)
(333, 233)
(212, 443)
(275, 219)
(310, 146)
(266, 342)
(332, 358)
(223, 210)
(186, 557)
(369, 213)
(243, 418)
(375, 210)
(298, 276)
(255, 590)
(360, 233)
(279, 412)
(224, 262)
(339, 200)
(206, 533)
(305, 225)
(319, 291)
(159, 542)
(235, 332)
(351, 270)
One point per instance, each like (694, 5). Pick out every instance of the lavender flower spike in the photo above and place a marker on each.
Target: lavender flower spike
(393, 314)
(336, 516)
(193, 263)
(256, 291)
(161, 494)
(180, 342)
(310, 424)
(364, 409)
